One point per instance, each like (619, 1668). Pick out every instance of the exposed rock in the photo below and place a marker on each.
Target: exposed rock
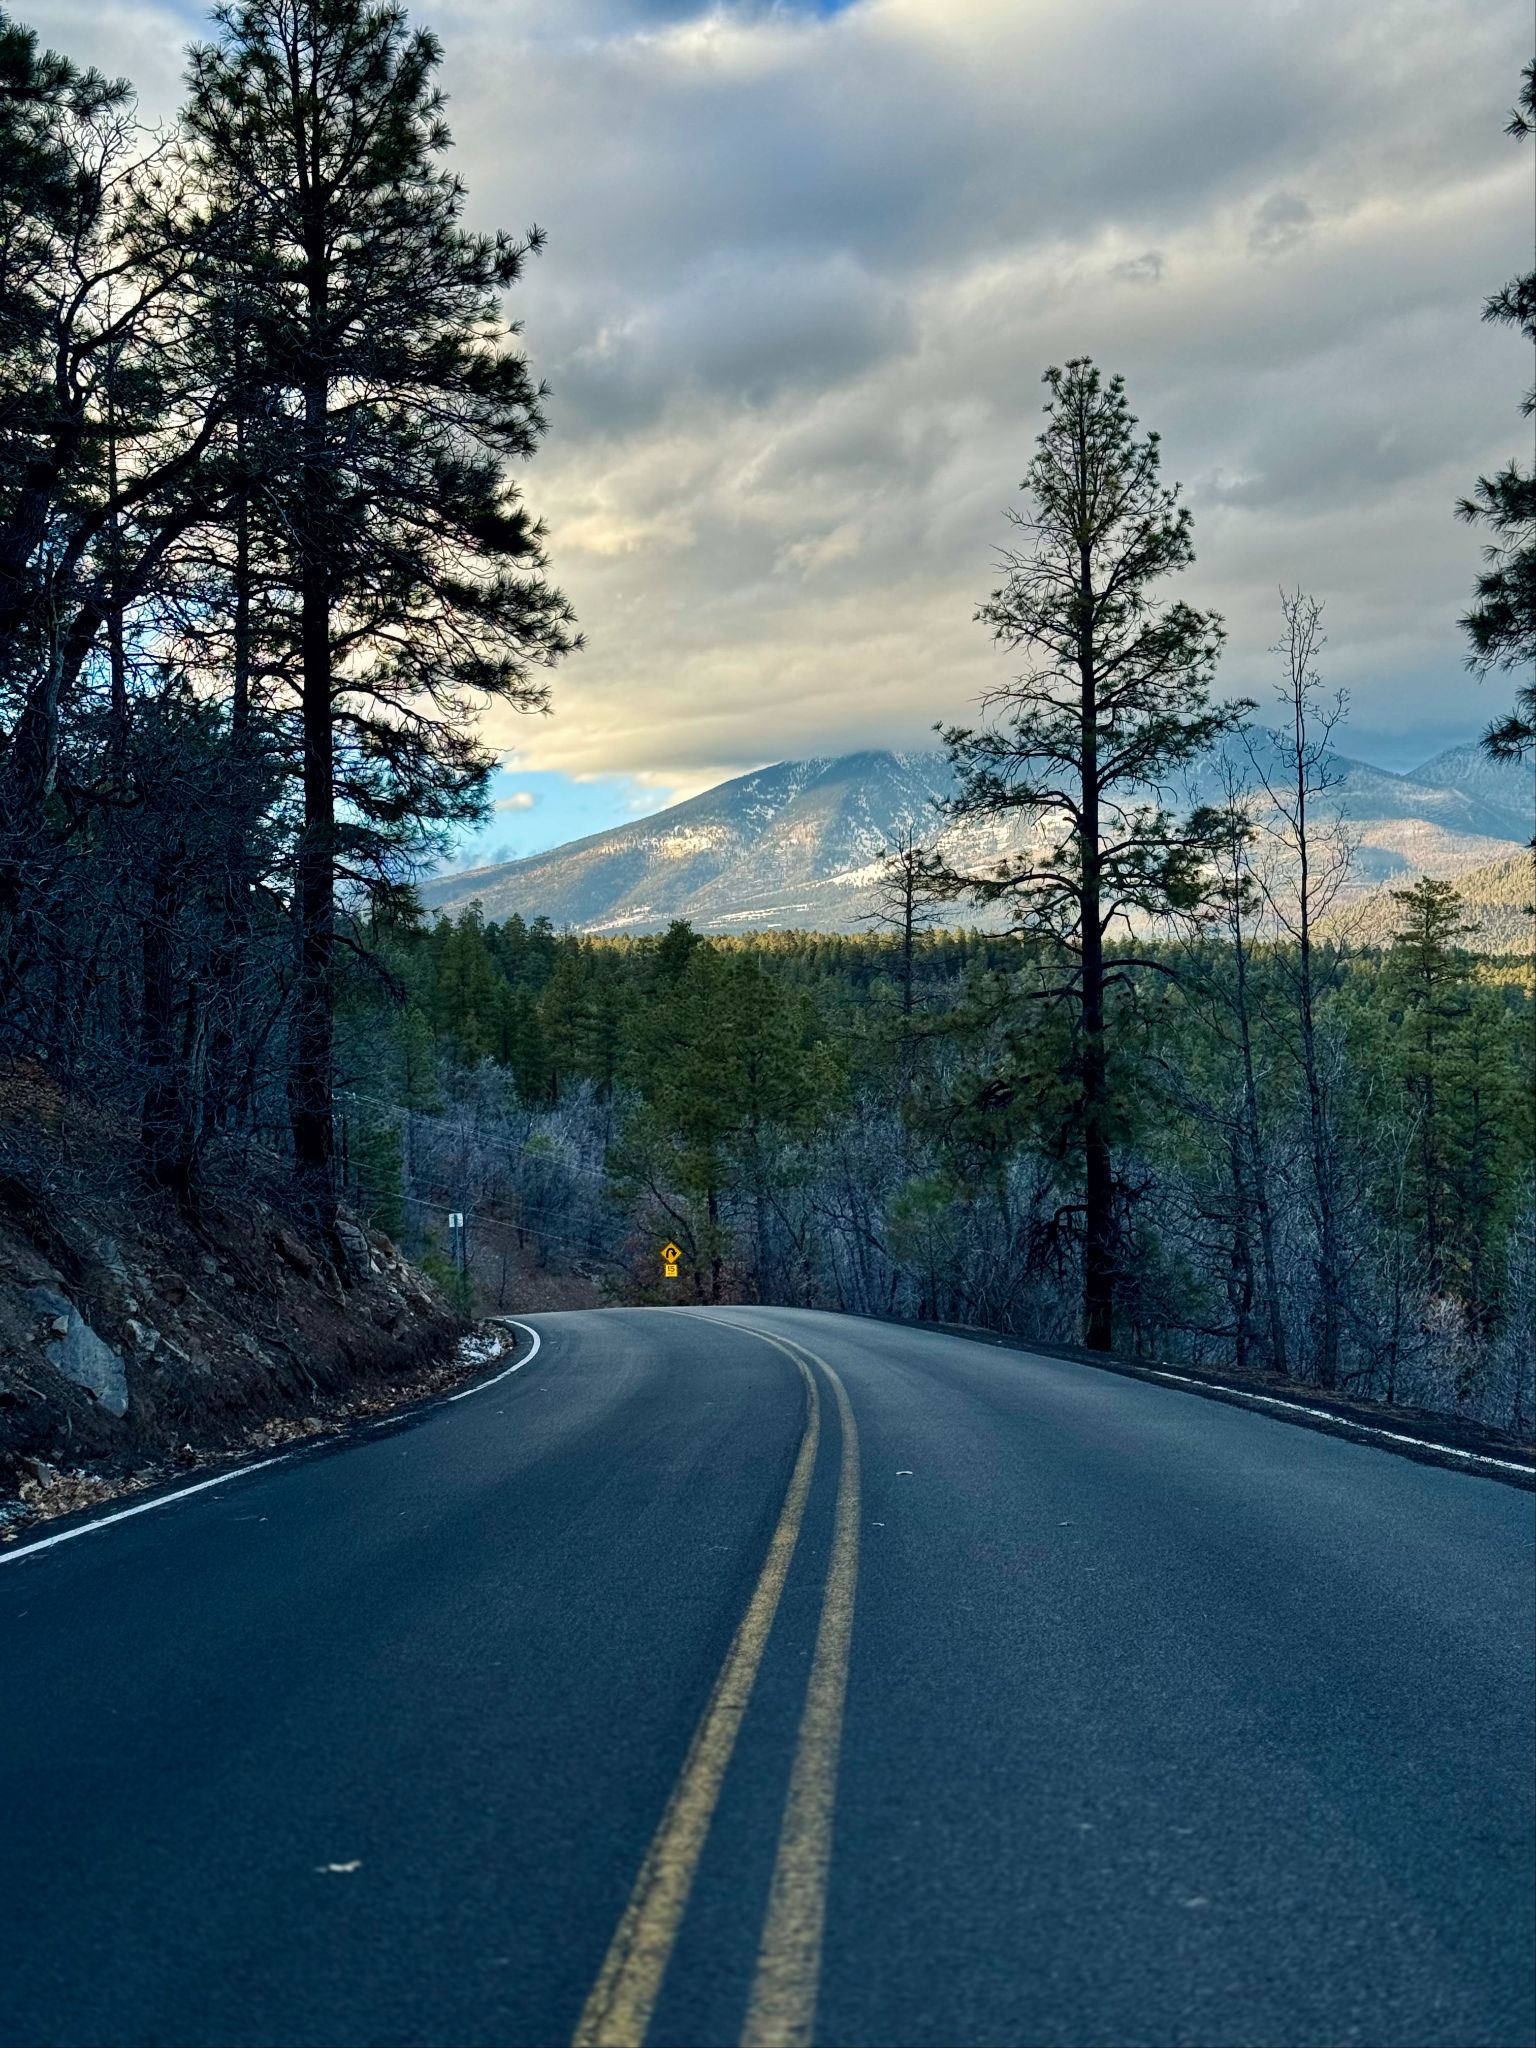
(79, 1354)
(354, 1248)
(174, 1329)
(294, 1254)
(106, 1250)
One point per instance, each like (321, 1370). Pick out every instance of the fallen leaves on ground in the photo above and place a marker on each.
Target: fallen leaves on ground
(46, 1493)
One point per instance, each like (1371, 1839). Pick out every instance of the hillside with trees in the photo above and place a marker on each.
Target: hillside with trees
(262, 561)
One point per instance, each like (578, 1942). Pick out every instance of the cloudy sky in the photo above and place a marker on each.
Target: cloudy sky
(806, 264)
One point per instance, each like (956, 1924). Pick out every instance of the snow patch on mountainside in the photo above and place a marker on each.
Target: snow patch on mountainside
(799, 844)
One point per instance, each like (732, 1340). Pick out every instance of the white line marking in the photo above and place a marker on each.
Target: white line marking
(9, 1554)
(1242, 1394)
(1390, 1436)
(486, 1384)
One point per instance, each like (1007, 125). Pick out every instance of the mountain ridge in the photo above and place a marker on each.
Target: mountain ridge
(798, 843)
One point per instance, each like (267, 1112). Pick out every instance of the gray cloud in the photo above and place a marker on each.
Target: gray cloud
(804, 274)
(1147, 268)
(753, 330)
(1281, 222)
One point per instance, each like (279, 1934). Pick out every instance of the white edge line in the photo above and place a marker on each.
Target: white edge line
(485, 1385)
(9, 1554)
(1244, 1394)
(1390, 1436)
(164, 1500)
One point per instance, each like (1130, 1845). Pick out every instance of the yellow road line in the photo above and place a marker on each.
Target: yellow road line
(621, 2002)
(782, 2009)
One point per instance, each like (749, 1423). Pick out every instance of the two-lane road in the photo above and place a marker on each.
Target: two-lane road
(764, 1676)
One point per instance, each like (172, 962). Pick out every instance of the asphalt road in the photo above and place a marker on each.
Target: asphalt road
(865, 1686)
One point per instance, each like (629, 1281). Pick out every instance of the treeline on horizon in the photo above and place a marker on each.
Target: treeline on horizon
(263, 564)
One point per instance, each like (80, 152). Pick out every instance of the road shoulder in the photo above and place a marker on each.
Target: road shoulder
(1430, 1439)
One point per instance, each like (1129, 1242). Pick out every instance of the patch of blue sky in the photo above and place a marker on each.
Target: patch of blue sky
(538, 808)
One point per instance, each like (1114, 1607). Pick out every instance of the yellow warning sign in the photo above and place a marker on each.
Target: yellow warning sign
(670, 1254)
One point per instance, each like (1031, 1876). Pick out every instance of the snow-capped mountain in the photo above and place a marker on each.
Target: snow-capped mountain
(799, 844)
(796, 844)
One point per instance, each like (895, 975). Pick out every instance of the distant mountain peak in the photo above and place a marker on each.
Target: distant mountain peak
(798, 843)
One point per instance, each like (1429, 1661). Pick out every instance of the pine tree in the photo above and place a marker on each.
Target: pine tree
(107, 423)
(567, 1015)
(1455, 1046)
(908, 889)
(722, 1062)
(60, 136)
(414, 574)
(1114, 704)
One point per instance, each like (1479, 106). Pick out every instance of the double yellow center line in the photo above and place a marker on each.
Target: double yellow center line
(782, 2005)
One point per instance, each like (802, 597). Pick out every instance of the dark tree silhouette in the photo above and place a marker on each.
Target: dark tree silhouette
(414, 573)
(1114, 703)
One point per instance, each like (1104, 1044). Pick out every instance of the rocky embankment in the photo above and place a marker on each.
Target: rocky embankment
(136, 1336)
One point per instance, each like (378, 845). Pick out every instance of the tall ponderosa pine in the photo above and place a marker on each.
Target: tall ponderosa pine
(413, 575)
(58, 126)
(1115, 702)
(112, 412)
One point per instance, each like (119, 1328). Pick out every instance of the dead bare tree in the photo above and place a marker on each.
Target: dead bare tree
(1296, 769)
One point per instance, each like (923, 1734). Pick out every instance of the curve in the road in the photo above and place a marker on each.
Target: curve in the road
(1159, 1720)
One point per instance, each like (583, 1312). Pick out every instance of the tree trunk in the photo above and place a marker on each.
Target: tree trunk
(165, 1123)
(1324, 1175)
(1098, 1166)
(1258, 1162)
(714, 1243)
(233, 886)
(1329, 1266)
(1099, 1196)
(310, 1078)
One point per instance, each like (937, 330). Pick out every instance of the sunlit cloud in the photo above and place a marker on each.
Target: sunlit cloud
(805, 267)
